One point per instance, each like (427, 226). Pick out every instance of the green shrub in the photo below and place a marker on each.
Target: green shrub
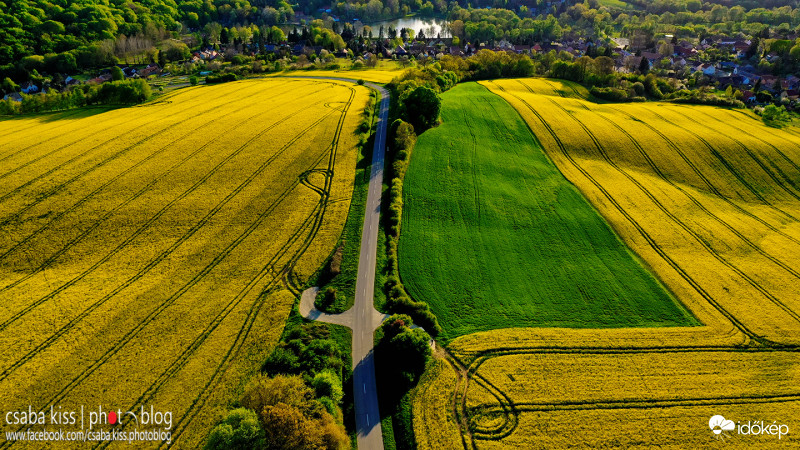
(222, 78)
(328, 384)
(609, 93)
(240, 430)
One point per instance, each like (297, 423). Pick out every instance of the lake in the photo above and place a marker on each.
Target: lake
(430, 26)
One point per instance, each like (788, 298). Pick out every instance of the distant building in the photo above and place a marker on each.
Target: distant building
(14, 96)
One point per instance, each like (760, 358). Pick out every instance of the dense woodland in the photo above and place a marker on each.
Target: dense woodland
(45, 42)
(68, 35)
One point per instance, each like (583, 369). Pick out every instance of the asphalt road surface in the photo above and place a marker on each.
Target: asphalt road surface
(362, 318)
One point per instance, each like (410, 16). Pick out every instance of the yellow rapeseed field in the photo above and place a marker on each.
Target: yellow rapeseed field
(380, 75)
(150, 255)
(709, 198)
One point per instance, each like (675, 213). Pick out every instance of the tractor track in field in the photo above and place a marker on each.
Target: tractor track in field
(154, 218)
(737, 116)
(475, 191)
(707, 246)
(315, 223)
(14, 153)
(103, 109)
(752, 155)
(696, 202)
(66, 116)
(42, 196)
(114, 156)
(759, 163)
(108, 214)
(509, 410)
(651, 242)
(729, 168)
(707, 182)
(768, 144)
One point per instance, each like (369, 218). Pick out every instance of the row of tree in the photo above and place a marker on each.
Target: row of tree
(125, 92)
(295, 403)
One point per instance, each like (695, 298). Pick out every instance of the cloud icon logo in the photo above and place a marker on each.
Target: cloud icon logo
(718, 424)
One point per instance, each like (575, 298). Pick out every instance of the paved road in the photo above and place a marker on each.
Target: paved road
(362, 318)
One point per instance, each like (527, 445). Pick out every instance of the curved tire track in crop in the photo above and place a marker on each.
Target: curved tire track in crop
(155, 217)
(509, 410)
(185, 420)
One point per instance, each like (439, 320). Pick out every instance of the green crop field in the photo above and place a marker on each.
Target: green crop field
(495, 237)
(708, 198)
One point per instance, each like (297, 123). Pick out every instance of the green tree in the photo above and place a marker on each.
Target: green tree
(405, 350)
(287, 389)
(421, 107)
(276, 35)
(775, 115)
(328, 384)
(290, 416)
(240, 430)
(644, 66)
(117, 74)
(176, 51)
(651, 86)
(9, 86)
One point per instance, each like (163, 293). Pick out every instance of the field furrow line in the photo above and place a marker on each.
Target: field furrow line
(17, 132)
(115, 156)
(680, 223)
(127, 201)
(112, 118)
(200, 400)
(730, 168)
(651, 242)
(646, 404)
(484, 355)
(759, 162)
(777, 150)
(19, 151)
(697, 203)
(741, 117)
(707, 182)
(154, 218)
(475, 191)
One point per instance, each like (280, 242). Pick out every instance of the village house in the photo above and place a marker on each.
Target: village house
(29, 88)
(14, 96)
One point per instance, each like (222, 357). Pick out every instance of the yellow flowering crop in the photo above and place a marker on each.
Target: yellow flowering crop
(149, 255)
(709, 199)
